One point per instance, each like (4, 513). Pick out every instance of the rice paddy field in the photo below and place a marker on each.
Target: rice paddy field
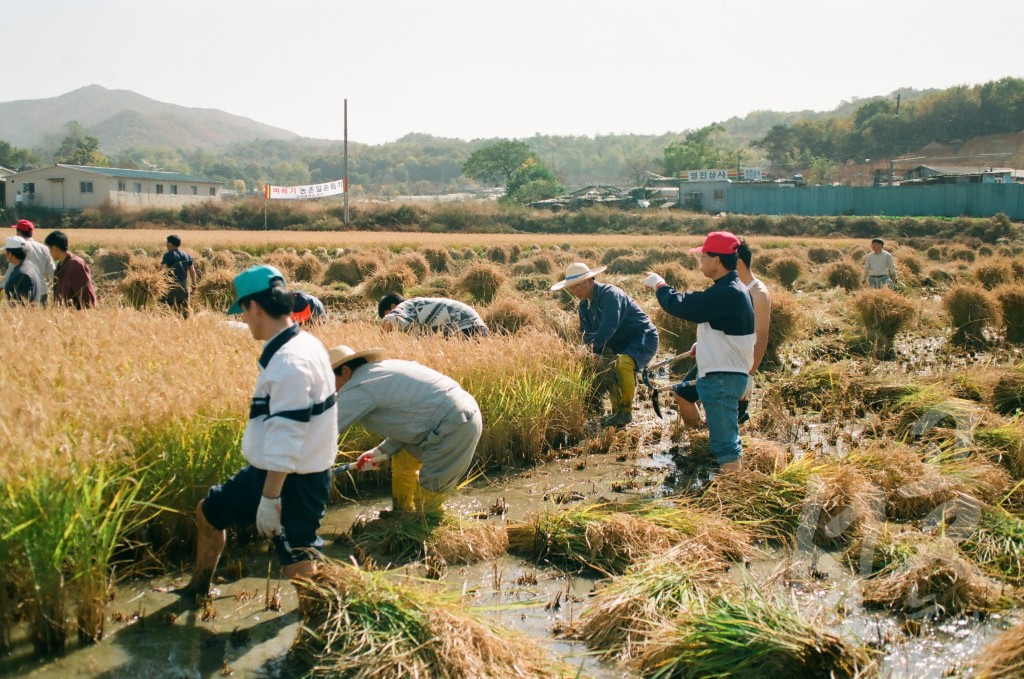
(875, 530)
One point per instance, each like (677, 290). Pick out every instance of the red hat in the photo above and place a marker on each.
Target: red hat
(24, 225)
(719, 243)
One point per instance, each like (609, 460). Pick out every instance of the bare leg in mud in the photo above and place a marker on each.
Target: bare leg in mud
(209, 546)
(688, 412)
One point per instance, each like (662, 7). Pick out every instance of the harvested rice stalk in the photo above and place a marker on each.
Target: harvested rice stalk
(750, 637)
(912, 487)
(1003, 658)
(997, 545)
(362, 624)
(765, 456)
(882, 548)
(632, 606)
(935, 582)
(403, 536)
(1007, 441)
(841, 504)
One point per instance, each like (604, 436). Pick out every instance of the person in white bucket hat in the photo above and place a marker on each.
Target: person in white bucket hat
(618, 332)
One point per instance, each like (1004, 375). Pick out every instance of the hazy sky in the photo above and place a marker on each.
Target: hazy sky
(477, 68)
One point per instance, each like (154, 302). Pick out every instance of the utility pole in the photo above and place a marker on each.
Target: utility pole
(892, 148)
(346, 163)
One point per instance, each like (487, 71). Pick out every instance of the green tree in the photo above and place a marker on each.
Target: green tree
(14, 158)
(699, 151)
(821, 171)
(80, 148)
(495, 164)
(530, 182)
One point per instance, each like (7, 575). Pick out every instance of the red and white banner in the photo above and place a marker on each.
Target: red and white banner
(304, 192)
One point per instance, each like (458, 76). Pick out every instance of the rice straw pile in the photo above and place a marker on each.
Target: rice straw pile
(750, 637)
(632, 606)
(1004, 657)
(997, 545)
(365, 625)
(935, 581)
(455, 540)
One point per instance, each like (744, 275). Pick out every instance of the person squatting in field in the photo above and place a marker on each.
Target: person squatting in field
(425, 315)
(725, 339)
(290, 440)
(619, 334)
(430, 424)
(687, 397)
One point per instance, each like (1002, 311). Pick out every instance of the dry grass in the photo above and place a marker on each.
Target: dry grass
(674, 334)
(786, 319)
(1002, 658)
(391, 278)
(216, 289)
(143, 288)
(367, 625)
(352, 269)
(883, 313)
(482, 281)
(445, 537)
(1008, 394)
(1011, 302)
(509, 315)
(970, 312)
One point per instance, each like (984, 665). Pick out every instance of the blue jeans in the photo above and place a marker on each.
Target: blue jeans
(882, 281)
(720, 393)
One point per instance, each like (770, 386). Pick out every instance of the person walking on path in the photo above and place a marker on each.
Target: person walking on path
(182, 272)
(23, 284)
(430, 424)
(426, 315)
(38, 254)
(687, 397)
(72, 281)
(619, 334)
(879, 266)
(290, 441)
(725, 340)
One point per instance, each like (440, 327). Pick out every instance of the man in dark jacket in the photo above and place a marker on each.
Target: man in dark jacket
(24, 284)
(182, 271)
(72, 281)
(618, 332)
(725, 339)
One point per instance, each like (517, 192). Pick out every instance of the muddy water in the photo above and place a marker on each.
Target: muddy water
(153, 635)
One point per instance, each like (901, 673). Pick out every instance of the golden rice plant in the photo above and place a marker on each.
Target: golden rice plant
(1008, 394)
(370, 625)
(509, 315)
(843, 275)
(675, 334)
(1007, 441)
(216, 289)
(1002, 658)
(287, 262)
(748, 637)
(352, 269)
(785, 320)
(418, 264)
(787, 270)
(482, 281)
(992, 272)
(111, 264)
(970, 312)
(439, 258)
(392, 278)
(144, 288)
(884, 313)
(627, 609)
(912, 487)
(309, 268)
(440, 535)
(996, 545)
(1011, 303)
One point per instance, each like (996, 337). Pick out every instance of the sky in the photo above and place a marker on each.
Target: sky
(481, 69)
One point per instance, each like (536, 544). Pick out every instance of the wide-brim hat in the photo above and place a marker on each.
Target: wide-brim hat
(342, 354)
(577, 272)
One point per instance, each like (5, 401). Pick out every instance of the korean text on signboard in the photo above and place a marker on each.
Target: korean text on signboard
(708, 175)
(752, 174)
(305, 192)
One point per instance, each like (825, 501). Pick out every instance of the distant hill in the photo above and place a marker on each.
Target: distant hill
(121, 119)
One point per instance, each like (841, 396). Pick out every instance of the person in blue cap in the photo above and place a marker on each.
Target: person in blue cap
(289, 442)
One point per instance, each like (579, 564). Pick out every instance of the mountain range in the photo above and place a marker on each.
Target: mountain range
(122, 119)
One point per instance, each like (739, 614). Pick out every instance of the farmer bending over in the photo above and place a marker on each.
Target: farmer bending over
(290, 440)
(431, 426)
(618, 332)
(725, 339)
(426, 315)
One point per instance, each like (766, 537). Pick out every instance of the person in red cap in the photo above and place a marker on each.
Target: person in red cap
(726, 335)
(38, 254)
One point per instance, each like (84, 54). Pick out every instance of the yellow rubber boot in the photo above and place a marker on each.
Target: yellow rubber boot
(405, 481)
(625, 371)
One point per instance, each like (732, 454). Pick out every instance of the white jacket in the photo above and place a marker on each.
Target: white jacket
(293, 420)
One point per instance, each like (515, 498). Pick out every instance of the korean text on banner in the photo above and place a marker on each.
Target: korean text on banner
(305, 192)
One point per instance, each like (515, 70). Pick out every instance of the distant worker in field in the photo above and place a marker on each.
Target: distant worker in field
(620, 336)
(23, 284)
(427, 315)
(37, 253)
(687, 397)
(879, 266)
(290, 440)
(724, 316)
(307, 309)
(181, 270)
(430, 424)
(72, 280)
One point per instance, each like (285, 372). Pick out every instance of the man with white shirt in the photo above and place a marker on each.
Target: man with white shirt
(38, 254)
(289, 442)
(879, 266)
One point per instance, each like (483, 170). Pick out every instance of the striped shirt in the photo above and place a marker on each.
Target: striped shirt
(425, 315)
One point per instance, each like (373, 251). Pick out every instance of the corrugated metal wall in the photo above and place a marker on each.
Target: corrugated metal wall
(943, 200)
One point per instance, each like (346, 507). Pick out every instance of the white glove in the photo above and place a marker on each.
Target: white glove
(749, 391)
(653, 280)
(370, 460)
(268, 517)
(693, 349)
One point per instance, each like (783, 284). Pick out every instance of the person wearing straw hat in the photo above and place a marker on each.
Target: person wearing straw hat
(618, 332)
(23, 284)
(290, 440)
(724, 315)
(429, 423)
